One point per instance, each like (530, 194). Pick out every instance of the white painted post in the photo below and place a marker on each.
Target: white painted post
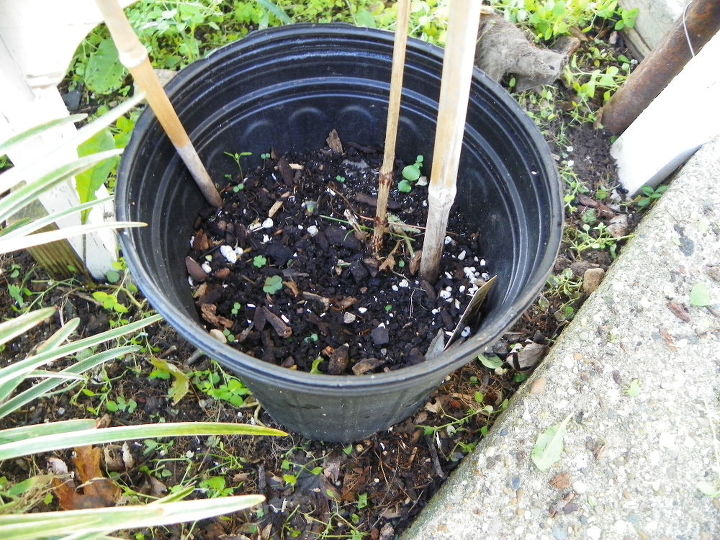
(37, 41)
(680, 120)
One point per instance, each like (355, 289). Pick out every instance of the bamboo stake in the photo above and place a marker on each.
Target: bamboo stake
(457, 73)
(135, 58)
(396, 81)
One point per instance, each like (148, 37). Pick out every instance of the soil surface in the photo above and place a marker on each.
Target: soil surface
(286, 271)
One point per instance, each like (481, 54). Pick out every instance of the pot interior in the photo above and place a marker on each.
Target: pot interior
(286, 89)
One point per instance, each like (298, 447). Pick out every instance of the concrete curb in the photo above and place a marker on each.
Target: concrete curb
(634, 451)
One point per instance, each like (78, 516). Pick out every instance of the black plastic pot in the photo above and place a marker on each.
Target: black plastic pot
(286, 88)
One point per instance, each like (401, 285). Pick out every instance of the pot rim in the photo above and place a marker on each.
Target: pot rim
(449, 360)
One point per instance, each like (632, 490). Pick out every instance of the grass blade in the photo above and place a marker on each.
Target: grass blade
(60, 336)
(23, 137)
(75, 370)
(22, 433)
(49, 443)
(27, 193)
(276, 10)
(19, 325)
(12, 375)
(15, 244)
(41, 222)
(52, 524)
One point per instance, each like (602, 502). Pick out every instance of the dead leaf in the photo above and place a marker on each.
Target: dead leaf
(286, 172)
(414, 265)
(87, 461)
(388, 263)
(98, 491)
(333, 141)
(344, 303)
(367, 364)
(390, 513)
(668, 339)
(331, 466)
(530, 355)
(112, 453)
(127, 457)
(294, 289)
(181, 382)
(201, 241)
(560, 481)
(157, 488)
(201, 290)
(208, 313)
(240, 477)
(679, 310)
(317, 298)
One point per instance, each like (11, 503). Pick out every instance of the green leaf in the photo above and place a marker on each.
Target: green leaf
(19, 325)
(181, 382)
(276, 10)
(23, 432)
(290, 479)
(549, 445)
(411, 173)
(700, 295)
(88, 182)
(49, 443)
(32, 526)
(112, 276)
(490, 362)
(709, 489)
(404, 186)
(24, 195)
(315, 368)
(23, 137)
(37, 239)
(364, 18)
(272, 284)
(633, 389)
(104, 73)
(14, 374)
(259, 261)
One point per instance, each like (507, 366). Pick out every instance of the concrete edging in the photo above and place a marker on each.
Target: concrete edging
(632, 457)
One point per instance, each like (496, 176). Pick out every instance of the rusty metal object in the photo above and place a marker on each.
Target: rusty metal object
(702, 21)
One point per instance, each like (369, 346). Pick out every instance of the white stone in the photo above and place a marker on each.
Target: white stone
(580, 487)
(229, 254)
(206, 266)
(268, 223)
(312, 230)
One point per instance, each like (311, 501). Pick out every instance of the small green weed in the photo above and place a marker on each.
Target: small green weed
(121, 404)
(219, 385)
(259, 261)
(549, 19)
(649, 195)
(411, 174)
(273, 284)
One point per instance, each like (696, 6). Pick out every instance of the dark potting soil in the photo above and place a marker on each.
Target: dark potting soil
(285, 272)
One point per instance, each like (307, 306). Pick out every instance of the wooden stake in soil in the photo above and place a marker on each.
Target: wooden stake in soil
(135, 57)
(457, 73)
(396, 80)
